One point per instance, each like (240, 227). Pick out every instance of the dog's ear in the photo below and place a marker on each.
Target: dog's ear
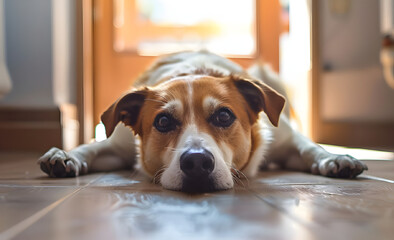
(126, 109)
(261, 97)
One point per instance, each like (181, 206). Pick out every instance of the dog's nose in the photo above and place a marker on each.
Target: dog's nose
(197, 163)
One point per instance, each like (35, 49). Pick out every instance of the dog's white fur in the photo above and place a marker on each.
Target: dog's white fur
(282, 145)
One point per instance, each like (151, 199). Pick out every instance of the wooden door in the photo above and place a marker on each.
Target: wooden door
(114, 72)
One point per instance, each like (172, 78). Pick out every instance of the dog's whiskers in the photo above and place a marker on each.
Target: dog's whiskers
(238, 176)
(237, 180)
(156, 178)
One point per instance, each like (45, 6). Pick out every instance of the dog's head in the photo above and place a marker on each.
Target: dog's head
(196, 130)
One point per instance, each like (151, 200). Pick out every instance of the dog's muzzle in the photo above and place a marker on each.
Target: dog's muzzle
(197, 164)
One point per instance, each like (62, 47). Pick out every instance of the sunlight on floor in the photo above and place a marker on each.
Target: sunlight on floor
(360, 153)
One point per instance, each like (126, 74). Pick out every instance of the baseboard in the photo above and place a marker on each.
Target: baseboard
(30, 129)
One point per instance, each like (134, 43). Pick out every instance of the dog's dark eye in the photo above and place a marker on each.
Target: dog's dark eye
(165, 123)
(223, 117)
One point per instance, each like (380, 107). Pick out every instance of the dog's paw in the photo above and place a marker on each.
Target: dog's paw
(58, 163)
(340, 166)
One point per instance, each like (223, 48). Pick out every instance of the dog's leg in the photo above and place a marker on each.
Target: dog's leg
(116, 152)
(299, 153)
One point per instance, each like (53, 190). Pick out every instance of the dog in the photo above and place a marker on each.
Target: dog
(194, 122)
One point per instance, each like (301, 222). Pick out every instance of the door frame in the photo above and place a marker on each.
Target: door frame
(84, 69)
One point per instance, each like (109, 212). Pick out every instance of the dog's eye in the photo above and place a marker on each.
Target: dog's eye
(223, 117)
(165, 123)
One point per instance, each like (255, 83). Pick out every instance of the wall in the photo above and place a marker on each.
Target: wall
(353, 87)
(40, 52)
(29, 52)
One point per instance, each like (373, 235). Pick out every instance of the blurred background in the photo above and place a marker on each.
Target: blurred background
(63, 62)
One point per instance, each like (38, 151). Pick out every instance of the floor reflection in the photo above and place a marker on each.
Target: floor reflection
(160, 217)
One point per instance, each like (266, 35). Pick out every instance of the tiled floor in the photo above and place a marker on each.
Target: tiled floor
(125, 205)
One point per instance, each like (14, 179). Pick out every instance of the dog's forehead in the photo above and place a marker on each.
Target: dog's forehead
(194, 89)
(189, 81)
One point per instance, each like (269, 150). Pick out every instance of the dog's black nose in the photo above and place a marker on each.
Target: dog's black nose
(197, 163)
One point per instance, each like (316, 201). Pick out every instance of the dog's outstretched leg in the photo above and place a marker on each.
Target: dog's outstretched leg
(299, 153)
(116, 152)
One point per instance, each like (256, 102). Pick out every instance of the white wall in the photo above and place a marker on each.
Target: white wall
(40, 52)
(29, 52)
(353, 87)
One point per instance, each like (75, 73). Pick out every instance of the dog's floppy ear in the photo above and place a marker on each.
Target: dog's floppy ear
(261, 97)
(125, 109)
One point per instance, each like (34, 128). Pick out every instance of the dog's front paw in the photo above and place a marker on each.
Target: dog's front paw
(58, 163)
(340, 166)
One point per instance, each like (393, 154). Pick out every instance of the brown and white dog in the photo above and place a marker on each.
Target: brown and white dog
(200, 121)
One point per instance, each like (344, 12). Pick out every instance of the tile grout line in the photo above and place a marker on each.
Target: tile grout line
(23, 225)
